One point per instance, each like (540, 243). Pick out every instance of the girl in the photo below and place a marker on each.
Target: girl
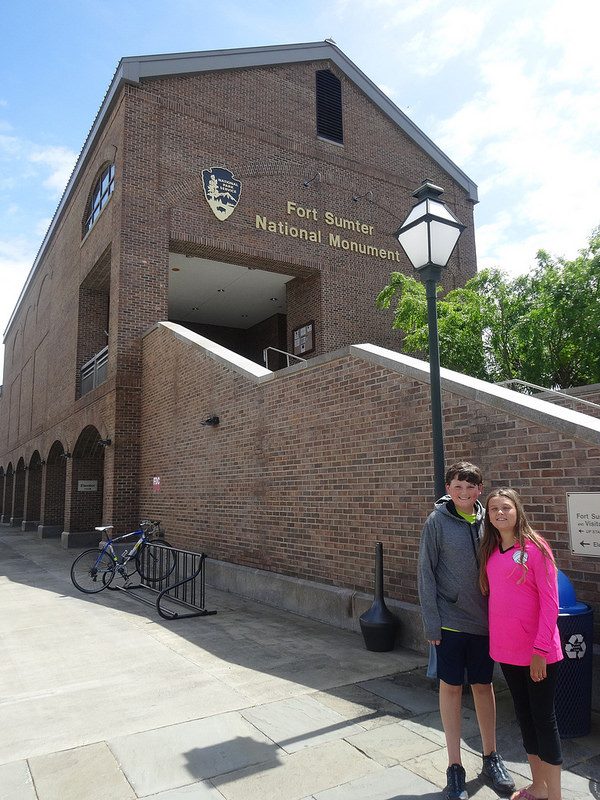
(519, 574)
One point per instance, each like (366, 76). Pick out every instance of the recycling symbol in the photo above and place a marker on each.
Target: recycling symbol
(575, 647)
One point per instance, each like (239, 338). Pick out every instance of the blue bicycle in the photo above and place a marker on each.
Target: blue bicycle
(94, 569)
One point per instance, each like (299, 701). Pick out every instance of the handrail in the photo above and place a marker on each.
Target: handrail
(570, 397)
(94, 372)
(283, 353)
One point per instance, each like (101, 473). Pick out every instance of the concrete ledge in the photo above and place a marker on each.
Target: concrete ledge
(49, 531)
(249, 369)
(557, 418)
(79, 539)
(27, 525)
(341, 608)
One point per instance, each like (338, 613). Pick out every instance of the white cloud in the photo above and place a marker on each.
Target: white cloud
(23, 223)
(41, 228)
(16, 258)
(575, 32)
(49, 165)
(60, 161)
(529, 137)
(455, 33)
(26, 166)
(399, 17)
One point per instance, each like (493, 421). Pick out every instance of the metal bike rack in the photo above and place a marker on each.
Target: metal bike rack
(175, 581)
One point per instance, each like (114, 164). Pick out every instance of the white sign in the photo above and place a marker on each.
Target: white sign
(87, 486)
(584, 523)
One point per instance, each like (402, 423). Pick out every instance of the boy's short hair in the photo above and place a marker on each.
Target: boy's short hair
(464, 471)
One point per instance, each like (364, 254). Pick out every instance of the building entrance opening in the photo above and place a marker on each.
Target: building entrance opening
(241, 308)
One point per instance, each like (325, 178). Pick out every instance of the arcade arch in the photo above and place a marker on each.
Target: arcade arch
(63, 492)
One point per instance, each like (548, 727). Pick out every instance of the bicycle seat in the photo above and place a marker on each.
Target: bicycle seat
(104, 528)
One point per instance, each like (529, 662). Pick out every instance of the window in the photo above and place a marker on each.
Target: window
(329, 107)
(102, 191)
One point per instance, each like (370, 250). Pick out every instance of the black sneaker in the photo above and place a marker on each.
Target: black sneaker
(497, 774)
(456, 788)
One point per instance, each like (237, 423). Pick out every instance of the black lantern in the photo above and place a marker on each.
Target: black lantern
(428, 236)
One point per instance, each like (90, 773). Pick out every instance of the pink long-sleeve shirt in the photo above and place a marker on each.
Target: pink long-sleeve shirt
(523, 615)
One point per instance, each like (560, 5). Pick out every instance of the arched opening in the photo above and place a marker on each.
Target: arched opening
(53, 495)
(87, 481)
(33, 494)
(19, 494)
(9, 483)
(2, 488)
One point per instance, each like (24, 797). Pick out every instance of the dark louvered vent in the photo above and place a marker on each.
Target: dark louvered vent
(329, 107)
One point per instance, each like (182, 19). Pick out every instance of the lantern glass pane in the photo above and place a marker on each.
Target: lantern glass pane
(415, 213)
(443, 241)
(441, 211)
(415, 244)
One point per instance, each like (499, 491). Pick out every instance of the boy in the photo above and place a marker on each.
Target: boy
(455, 619)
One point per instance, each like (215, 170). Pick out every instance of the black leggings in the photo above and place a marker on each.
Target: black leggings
(534, 707)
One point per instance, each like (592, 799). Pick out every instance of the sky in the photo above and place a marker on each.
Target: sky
(508, 89)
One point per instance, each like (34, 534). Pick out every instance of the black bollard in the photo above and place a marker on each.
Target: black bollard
(378, 624)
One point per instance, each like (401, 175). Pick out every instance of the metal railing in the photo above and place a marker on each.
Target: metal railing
(573, 399)
(94, 372)
(282, 353)
(175, 581)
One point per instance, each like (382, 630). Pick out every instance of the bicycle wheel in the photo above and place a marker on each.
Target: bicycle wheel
(92, 572)
(155, 563)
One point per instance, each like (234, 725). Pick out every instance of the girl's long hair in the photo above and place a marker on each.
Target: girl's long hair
(523, 532)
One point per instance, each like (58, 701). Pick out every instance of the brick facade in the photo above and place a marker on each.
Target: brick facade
(303, 474)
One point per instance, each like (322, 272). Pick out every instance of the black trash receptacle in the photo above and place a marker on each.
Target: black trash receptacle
(574, 681)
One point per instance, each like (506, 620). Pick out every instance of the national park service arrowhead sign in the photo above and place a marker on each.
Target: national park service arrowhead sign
(222, 191)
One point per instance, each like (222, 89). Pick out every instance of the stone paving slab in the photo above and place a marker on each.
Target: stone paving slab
(356, 703)
(395, 783)
(391, 745)
(250, 703)
(16, 782)
(85, 772)
(298, 775)
(300, 722)
(195, 791)
(164, 758)
(413, 699)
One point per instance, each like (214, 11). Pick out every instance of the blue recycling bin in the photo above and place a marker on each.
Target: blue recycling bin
(573, 701)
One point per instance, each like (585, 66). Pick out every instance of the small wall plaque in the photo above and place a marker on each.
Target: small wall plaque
(87, 486)
(304, 339)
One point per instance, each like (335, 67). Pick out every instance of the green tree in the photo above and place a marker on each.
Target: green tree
(543, 328)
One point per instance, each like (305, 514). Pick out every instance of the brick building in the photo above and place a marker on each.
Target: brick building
(229, 207)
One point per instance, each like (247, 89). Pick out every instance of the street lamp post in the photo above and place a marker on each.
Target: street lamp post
(428, 236)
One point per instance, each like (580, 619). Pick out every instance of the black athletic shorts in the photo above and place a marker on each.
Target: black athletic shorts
(464, 656)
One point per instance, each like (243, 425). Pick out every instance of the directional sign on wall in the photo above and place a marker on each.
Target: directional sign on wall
(584, 523)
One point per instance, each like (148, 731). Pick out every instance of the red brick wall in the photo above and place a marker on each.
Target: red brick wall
(272, 150)
(307, 471)
(160, 135)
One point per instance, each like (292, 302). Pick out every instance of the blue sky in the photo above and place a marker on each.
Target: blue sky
(510, 90)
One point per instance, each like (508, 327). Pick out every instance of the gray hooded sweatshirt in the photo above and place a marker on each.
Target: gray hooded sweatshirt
(448, 572)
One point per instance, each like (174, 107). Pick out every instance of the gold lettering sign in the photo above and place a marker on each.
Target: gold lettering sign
(301, 226)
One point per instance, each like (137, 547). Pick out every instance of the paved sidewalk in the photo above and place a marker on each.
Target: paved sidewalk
(101, 699)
